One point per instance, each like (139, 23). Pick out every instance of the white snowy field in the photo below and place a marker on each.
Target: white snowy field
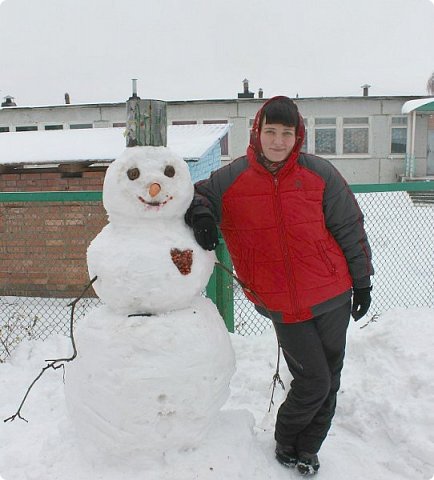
(383, 429)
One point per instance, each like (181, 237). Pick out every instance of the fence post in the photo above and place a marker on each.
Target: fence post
(220, 287)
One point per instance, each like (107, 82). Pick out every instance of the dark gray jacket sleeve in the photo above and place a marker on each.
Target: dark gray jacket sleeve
(345, 221)
(208, 193)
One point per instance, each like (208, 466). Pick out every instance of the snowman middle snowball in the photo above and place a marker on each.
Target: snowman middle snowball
(146, 259)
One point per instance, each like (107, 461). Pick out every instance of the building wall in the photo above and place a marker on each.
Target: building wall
(211, 161)
(47, 180)
(378, 166)
(43, 244)
(43, 247)
(66, 115)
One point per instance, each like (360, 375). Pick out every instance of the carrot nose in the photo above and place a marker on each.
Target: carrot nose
(154, 189)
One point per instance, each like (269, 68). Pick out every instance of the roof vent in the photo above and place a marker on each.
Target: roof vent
(366, 88)
(246, 93)
(8, 101)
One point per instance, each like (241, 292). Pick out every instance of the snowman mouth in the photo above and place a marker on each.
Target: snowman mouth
(154, 204)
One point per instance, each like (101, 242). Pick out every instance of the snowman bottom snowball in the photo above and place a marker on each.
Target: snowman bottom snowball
(143, 386)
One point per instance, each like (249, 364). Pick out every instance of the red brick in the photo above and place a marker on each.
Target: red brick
(10, 176)
(32, 176)
(50, 175)
(50, 239)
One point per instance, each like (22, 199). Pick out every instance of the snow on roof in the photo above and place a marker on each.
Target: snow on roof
(416, 104)
(194, 141)
(99, 144)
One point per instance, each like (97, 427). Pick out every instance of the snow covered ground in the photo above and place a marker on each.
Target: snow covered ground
(383, 429)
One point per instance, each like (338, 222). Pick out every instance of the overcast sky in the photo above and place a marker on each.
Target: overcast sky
(193, 49)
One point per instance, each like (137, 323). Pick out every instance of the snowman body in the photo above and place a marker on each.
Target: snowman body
(155, 361)
(136, 279)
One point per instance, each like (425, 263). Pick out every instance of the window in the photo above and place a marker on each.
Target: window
(325, 136)
(53, 127)
(184, 122)
(27, 128)
(305, 143)
(224, 143)
(4, 129)
(399, 135)
(77, 126)
(119, 124)
(356, 135)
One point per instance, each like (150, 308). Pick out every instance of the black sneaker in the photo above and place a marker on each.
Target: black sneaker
(287, 456)
(308, 463)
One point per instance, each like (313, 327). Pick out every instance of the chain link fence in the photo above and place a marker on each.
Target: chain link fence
(400, 227)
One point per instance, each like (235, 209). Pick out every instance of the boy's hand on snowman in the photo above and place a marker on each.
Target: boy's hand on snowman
(205, 232)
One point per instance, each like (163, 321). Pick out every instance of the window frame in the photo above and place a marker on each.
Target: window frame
(306, 136)
(53, 127)
(325, 123)
(402, 126)
(339, 127)
(80, 126)
(184, 122)
(352, 126)
(26, 128)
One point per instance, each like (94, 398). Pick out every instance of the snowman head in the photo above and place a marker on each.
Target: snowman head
(147, 183)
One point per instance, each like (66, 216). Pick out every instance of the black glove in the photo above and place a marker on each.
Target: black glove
(205, 232)
(361, 302)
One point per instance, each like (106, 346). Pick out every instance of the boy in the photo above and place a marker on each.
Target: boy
(296, 238)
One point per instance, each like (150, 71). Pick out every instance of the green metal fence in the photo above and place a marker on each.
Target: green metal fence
(399, 219)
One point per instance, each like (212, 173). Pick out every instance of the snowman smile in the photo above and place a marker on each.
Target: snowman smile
(154, 204)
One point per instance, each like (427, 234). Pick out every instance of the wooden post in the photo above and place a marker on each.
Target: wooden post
(146, 122)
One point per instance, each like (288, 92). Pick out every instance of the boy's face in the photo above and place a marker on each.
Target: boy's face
(277, 141)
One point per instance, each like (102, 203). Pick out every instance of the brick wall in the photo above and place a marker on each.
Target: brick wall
(43, 244)
(43, 181)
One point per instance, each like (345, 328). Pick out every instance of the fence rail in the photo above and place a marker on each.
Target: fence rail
(401, 234)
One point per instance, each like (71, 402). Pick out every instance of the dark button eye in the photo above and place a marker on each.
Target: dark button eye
(133, 173)
(169, 171)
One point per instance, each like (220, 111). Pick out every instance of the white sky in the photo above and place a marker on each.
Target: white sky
(194, 49)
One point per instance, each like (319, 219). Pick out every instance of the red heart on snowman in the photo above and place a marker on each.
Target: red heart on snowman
(183, 260)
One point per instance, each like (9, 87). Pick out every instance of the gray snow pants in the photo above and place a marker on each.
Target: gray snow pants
(305, 417)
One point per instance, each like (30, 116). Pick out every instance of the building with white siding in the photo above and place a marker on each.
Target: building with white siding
(366, 138)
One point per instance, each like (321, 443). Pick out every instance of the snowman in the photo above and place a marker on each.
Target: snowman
(155, 361)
